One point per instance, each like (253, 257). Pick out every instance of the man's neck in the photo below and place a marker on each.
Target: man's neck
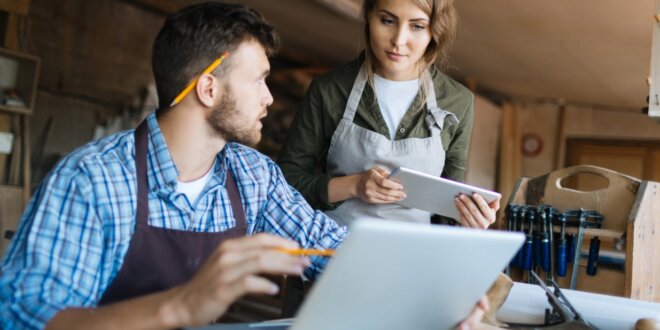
(191, 141)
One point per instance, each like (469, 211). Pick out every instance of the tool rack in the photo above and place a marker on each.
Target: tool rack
(631, 209)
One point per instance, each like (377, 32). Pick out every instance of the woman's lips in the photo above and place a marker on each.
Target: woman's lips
(394, 56)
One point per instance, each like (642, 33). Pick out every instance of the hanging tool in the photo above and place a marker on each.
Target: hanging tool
(570, 248)
(561, 246)
(528, 246)
(519, 221)
(544, 241)
(510, 212)
(592, 261)
(596, 221)
(536, 238)
(585, 219)
(551, 214)
(581, 218)
(563, 315)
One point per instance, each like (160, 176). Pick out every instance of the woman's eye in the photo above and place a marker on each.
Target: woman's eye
(418, 27)
(387, 21)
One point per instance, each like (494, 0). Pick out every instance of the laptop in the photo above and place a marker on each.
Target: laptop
(398, 275)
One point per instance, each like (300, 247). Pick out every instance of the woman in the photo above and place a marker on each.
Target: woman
(390, 107)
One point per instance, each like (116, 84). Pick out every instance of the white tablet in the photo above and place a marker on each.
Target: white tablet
(435, 194)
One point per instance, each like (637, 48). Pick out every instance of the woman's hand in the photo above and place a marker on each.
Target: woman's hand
(475, 212)
(472, 320)
(373, 186)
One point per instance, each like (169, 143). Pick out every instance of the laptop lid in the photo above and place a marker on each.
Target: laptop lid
(397, 275)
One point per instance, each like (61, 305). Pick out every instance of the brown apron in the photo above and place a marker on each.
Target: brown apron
(159, 258)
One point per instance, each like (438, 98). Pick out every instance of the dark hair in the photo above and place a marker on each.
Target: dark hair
(195, 36)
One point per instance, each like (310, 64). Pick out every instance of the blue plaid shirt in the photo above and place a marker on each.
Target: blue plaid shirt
(77, 228)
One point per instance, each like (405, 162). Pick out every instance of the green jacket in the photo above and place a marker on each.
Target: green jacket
(323, 106)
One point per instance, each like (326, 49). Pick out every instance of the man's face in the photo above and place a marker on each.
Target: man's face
(245, 96)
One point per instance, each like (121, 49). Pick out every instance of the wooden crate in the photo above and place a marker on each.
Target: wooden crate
(631, 209)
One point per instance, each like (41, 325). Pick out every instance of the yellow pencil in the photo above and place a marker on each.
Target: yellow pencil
(192, 84)
(307, 252)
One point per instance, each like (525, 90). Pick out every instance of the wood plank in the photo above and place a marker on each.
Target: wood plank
(14, 177)
(5, 126)
(11, 208)
(643, 245)
(15, 6)
(510, 156)
(654, 86)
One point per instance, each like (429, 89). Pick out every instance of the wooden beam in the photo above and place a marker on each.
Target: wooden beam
(510, 156)
(161, 7)
(654, 79)
(20, 7)
(560, 137)
(11, 37)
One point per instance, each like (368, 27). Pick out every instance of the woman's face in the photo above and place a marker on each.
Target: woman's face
(399, 33)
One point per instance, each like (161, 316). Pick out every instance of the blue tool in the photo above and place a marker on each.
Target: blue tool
(544, 241)
(561, 246)
(592, 261)
(528, 246)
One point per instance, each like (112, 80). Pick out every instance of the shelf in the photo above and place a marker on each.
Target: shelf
(18, 110)
(19, 72)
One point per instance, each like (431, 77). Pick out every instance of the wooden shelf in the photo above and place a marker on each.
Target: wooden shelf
(19, 72)
(631, 209)
(18, 110)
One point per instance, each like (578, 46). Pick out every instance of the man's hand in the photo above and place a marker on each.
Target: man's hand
(231, 272)
(373, 186)
(476, 315)
(475, 212)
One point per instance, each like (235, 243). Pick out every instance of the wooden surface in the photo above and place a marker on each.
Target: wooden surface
(631, 208)
(510, 156)
(643, 240)
(5, 121)
(15, 6)
(11, 208)
(614, 202)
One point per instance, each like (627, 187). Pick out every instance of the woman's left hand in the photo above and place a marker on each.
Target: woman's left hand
(472, 320)
(475, 212)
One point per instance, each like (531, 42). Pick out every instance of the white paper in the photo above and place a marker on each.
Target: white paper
(6, 141)
(8, 72)
(527, 303)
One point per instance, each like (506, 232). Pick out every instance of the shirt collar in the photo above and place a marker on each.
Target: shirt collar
(162, 170)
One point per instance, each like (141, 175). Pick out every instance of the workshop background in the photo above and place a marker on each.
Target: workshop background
(558, 83)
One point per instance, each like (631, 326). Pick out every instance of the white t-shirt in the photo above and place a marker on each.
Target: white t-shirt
(193, 188)
(394, 99)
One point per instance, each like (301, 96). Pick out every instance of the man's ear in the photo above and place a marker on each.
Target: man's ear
(207, 89)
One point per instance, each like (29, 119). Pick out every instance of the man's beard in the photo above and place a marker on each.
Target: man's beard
(225, 119)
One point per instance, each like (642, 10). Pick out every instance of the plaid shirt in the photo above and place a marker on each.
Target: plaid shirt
(74, 234)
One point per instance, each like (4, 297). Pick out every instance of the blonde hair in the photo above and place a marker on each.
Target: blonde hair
(443, 24)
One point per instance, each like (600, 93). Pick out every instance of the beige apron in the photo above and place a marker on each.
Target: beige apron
(354, 149)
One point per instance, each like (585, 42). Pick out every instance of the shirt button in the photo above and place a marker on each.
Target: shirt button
(402, 130)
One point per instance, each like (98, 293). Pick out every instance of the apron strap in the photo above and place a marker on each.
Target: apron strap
(235, 199)
(356, 94)
(435, 117)
(142, 213)
(141, 144)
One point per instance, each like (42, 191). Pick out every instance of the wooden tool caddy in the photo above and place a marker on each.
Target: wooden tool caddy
(631, 209)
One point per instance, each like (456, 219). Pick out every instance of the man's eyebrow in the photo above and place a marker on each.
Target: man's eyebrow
(421, 19)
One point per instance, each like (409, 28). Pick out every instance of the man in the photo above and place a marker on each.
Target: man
(140, 230)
